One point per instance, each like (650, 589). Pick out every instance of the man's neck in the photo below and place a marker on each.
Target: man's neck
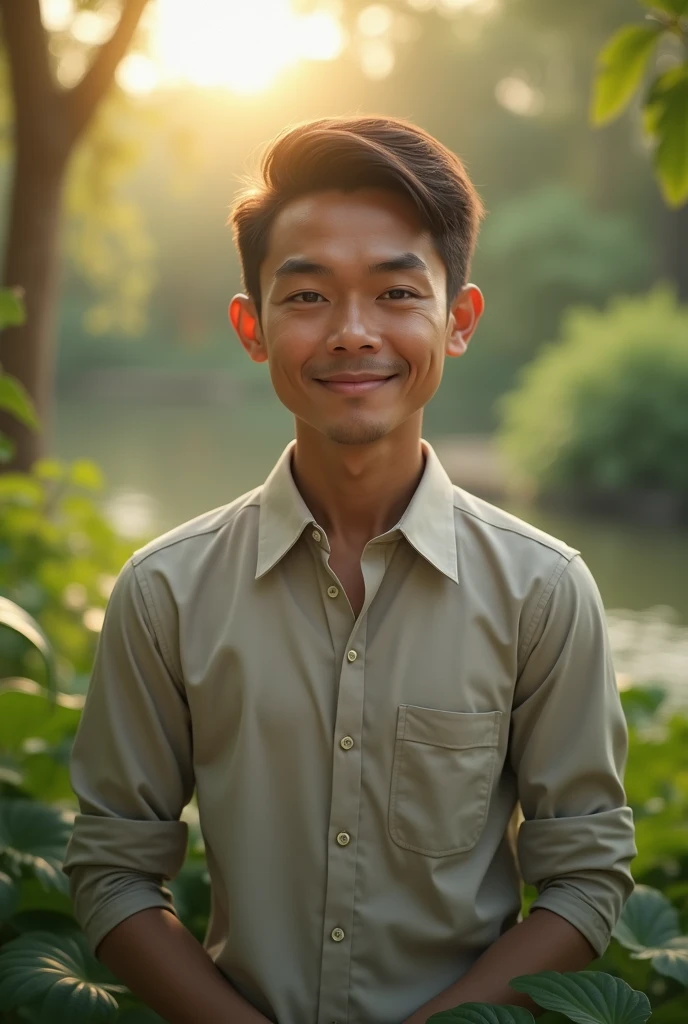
(357, 492)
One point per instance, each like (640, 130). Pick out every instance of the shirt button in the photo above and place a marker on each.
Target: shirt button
(343, 838)
(337, 934)
(316, 535)
(332, 591)
(351, 655)
(346, 743)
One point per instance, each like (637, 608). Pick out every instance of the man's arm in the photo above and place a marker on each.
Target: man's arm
(131, 768)
(567, 748)
(543, 942)
(163, 964)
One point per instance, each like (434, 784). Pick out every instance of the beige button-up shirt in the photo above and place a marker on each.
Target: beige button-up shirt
(355, 777)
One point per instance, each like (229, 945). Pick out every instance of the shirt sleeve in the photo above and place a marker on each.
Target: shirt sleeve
(568, 749)
(131, 768)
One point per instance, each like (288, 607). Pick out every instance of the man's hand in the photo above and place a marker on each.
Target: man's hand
(542, 942)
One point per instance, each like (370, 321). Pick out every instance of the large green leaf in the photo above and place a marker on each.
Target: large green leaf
(667, 118)
(12, 313)
(33, 841)
(647, 919)
(671, 959)
(586, 997)
(483, 1013)
(27, 711)
(9, 896)
(649, 928)
(57, 975)
(622, 64)
(15, 399)
(14, 617)
(33, 897)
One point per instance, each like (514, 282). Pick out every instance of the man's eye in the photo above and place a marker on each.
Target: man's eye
(400, 293)
(308, 297)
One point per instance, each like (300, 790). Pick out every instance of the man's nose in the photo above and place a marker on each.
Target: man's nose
(353, 329)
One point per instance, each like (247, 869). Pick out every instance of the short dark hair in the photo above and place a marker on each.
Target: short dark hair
(356, 152)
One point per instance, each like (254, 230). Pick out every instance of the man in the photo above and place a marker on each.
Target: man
(362, 668)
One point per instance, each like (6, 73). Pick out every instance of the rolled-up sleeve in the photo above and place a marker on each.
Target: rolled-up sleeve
(131, 768)
(568, 748)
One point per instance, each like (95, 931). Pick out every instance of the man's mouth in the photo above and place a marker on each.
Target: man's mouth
(358, 387)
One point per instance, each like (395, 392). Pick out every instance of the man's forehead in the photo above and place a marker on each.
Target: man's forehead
(372, 224)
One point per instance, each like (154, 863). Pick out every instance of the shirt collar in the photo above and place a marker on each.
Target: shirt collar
(427, 522)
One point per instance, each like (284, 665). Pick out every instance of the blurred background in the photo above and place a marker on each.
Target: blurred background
(128, 406)
(583, 263)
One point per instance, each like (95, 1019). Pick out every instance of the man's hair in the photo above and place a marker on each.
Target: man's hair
(355, 152)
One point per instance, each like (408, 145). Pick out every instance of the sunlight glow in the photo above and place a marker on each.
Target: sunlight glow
(236, 44)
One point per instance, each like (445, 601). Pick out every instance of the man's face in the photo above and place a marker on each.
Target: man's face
(352, 283)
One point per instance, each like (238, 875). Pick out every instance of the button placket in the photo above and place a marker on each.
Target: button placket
(342, 852)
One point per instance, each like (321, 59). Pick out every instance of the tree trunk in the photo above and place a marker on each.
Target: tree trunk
(32, 262)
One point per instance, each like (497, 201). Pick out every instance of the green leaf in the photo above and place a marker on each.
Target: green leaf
(647, 920)
(57, 975)
(27, 711)
(33, 897)
(7, 449)
(621, 64)
(671, 960)
(33, 841)
(16, 399)
(641, 703)
(483, 1013)
(48, 469)
(12, 312)
(85, 473)
(9, 896)
(44, 921)
(586, 997)
(666, 117)
(14, 617)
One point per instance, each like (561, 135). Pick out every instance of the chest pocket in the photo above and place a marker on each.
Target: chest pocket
(444, 762)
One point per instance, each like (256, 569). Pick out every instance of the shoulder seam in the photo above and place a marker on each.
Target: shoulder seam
(199, 533)
(152, 610)
(558, 571)
(521, 533)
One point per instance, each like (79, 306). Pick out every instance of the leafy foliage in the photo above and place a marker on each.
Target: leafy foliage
(613, 393)
(586, 997)
(58, 977)
(622, 66)
(14, 398)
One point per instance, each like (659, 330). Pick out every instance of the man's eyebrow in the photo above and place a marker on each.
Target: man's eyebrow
(297, 265)
(407, 261)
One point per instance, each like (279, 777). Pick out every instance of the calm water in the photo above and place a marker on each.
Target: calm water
(166, 463)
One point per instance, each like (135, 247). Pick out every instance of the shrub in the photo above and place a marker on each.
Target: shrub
(604, 411)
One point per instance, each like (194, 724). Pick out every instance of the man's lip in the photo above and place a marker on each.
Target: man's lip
(355, 387)
(347, 379)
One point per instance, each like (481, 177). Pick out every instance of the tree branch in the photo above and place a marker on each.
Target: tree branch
(27, 49)
(84, 97)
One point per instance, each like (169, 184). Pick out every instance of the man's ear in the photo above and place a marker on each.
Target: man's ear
(243, 317)
(464, 315)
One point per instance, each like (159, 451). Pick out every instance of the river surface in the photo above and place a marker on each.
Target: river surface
(165, 463)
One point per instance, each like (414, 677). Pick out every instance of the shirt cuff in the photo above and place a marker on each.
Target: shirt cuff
(561, 900)
(103, 898)
(152, 847)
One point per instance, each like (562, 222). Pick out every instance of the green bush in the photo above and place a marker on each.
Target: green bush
(604, 411)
